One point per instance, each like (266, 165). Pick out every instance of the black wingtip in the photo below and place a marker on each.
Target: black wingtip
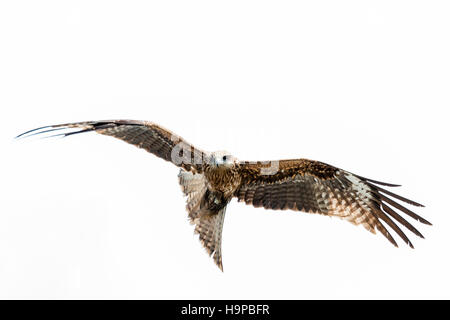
(379, 182)
(394, 195)
(422, 220)
(24, 134)
(47, 129)
(38, 131)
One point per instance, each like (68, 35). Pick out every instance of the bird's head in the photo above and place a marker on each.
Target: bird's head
(222, 159)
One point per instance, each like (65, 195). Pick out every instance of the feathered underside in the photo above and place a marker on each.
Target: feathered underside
(316, 187)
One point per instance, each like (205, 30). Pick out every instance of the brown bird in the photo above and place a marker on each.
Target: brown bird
(211, 180)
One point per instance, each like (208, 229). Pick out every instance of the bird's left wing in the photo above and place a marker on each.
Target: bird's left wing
(316, 187)
(146, 135)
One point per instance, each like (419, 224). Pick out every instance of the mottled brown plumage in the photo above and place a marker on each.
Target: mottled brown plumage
(211, 180)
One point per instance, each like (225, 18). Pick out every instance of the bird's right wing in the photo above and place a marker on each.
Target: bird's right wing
(146, 135)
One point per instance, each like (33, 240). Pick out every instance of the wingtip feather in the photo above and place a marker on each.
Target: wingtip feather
(25, 134)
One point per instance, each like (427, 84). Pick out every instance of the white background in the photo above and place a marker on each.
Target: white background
(362, 85)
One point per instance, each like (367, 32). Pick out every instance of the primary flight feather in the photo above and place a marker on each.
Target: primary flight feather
(210, 180)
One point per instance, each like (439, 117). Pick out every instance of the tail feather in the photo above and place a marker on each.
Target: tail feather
(208, 219)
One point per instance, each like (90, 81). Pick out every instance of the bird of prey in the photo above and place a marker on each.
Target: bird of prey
(210, 180)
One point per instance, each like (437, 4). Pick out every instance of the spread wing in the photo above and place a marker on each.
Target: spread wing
(143, 134)
(316, 187)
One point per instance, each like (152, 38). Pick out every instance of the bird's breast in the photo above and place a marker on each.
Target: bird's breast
(222, 180)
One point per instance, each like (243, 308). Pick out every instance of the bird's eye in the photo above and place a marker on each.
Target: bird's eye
(224, 158)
